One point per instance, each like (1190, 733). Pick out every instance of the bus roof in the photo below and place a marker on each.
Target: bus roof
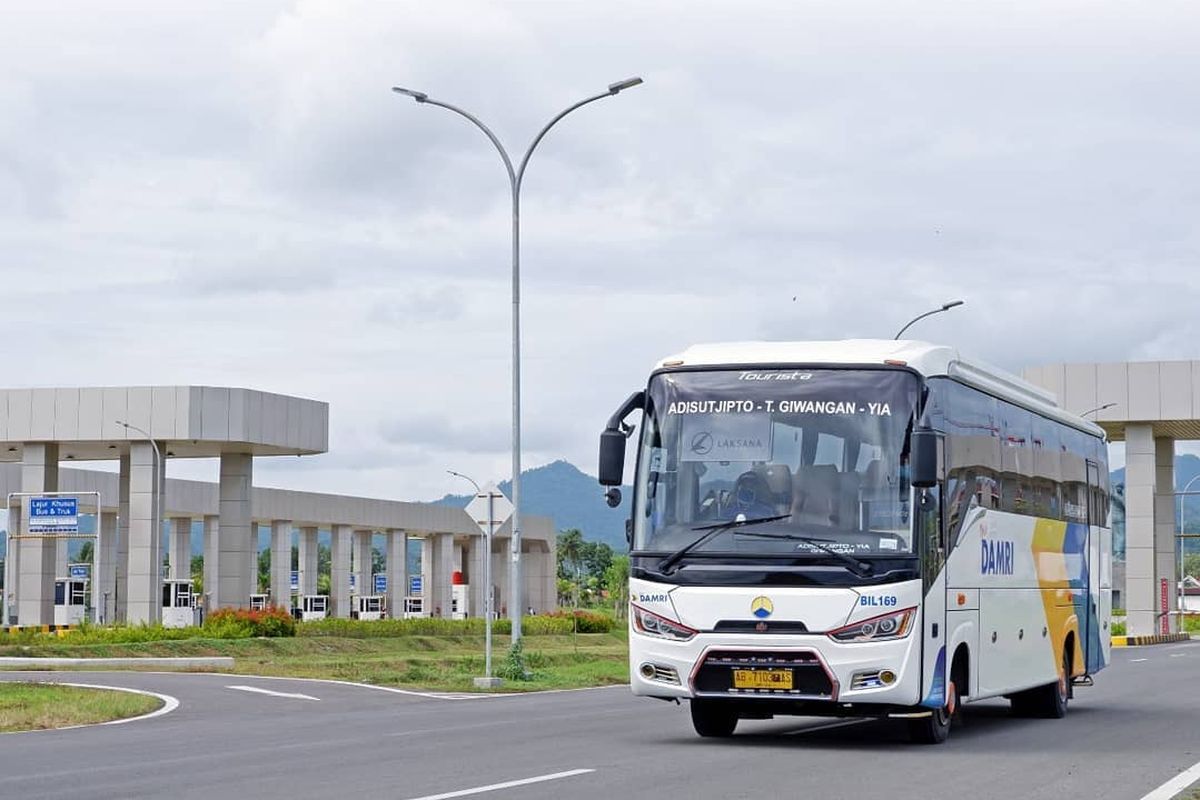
(925, 358)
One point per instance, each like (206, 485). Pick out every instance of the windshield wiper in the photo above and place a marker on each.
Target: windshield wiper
(860, 568)
(711, 531)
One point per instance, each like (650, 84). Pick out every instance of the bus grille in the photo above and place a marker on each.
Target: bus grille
(809, 678)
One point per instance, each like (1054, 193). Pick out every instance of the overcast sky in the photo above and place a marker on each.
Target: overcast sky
(229, 194)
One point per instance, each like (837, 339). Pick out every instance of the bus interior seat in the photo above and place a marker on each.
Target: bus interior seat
(813, 494)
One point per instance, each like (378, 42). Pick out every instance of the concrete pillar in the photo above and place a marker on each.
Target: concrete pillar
(443, 559)
(35, 589)
(212, 560)
(62, 557)
(1149, 527)
(236, 526)
(13, 568)
(252, 559)
(362, 562)
(144, 595)
(476, 556)
(180, 551)
(281, 563)
(1166, 562)
(427, 593)
(309, 563)
(106, 547)
(339, 571)
(121, 589)
(397, 572)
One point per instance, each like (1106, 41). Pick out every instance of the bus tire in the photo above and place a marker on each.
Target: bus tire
(935, 728)
(1048, 701)
(713, 718)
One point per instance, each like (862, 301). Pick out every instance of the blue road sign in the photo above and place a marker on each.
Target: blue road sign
(353, 582)
(414, 585)
(381, 584)
(295, 581)
(79, 571)
(53, 515)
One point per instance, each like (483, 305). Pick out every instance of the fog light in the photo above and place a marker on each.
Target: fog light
(887, 677)
(647, 671)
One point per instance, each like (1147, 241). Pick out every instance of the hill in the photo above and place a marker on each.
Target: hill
(572, 498)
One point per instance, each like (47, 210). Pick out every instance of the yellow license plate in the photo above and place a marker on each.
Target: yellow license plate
(762, 679)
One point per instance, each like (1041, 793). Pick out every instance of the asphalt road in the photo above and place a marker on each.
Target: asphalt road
(1137, 728)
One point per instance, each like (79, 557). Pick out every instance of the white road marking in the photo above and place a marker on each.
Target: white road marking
(292, 695)
(1177, 655)
(169, 704)
(1176, 784)
(1136, 660)
(506, 785)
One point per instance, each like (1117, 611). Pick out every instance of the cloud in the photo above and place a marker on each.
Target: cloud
(238, 198)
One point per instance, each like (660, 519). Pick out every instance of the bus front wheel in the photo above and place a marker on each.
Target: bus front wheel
(713, 718)
(935, 728)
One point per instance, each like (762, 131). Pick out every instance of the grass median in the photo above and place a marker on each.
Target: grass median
(433, 662)
(34, 706)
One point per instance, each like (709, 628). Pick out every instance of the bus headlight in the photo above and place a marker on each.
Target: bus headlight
(895, 625)
(654, 625)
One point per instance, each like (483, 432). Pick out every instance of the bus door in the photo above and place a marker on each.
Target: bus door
(931, 535)
(1090, 638)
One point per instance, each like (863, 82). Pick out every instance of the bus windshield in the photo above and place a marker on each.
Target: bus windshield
(825, 448)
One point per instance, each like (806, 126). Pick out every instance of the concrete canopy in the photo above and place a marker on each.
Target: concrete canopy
(193, 421)
(1162, 394)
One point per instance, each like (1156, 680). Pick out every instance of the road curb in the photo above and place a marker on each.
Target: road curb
(1142, 641)
(219, 662)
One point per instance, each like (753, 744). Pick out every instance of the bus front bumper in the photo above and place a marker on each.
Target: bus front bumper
(819, 671)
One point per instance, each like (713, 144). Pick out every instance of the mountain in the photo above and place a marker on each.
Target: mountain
(572, 498)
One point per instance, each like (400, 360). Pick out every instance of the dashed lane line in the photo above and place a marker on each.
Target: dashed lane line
(554, 776)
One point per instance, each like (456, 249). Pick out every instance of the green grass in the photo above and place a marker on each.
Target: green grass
(441, 663)
(31, 706)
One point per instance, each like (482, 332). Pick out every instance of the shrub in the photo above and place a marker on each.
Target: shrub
(236, 623)
(513, 668)
(1117, 629)
(588, 621)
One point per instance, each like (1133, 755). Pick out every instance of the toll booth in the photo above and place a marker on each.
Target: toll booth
(259, 602)
(314, 606)
(414, 607)
(70, 601)
(459, 606)
(366, 606)
(178, 604)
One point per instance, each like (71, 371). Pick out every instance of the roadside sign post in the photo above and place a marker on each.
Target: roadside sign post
(489, 508)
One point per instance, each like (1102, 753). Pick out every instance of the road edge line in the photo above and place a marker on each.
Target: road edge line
(493, 787)
(169, 704)
(1176, 784)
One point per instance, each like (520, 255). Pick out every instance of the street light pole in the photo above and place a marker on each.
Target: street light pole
(945, 307)
(1096, 409)
(515, 178)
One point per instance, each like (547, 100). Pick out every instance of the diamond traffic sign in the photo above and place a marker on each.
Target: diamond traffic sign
(502, 508)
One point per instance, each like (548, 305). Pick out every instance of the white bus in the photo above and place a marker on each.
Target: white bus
(860, 528)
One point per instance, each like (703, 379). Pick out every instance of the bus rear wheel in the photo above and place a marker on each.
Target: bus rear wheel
(935, 728)
(713, 718)
(1049, 701)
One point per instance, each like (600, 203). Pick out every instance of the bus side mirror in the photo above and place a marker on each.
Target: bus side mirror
(924, 458)
(612, 458)
(612, 441)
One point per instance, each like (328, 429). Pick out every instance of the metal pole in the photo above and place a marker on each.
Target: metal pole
(946, 307)
(515, 606)
(487, 588)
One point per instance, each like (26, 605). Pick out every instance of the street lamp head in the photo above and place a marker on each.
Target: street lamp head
(619, 86)
(951, 305)
(420, 97)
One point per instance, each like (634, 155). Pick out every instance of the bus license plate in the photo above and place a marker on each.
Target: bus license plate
(762, 679)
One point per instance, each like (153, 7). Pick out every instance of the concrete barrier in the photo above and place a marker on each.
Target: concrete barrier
(1139, 641)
